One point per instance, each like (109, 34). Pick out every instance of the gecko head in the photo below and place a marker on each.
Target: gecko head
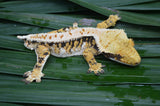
(126, 54)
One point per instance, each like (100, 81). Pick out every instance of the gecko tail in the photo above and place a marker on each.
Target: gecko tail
(22, 37)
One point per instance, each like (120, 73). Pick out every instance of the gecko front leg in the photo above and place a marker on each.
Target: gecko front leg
(111, 21)
(42, 52)
(93, 65)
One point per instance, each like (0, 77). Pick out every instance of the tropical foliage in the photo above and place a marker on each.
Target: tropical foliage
(66, 81)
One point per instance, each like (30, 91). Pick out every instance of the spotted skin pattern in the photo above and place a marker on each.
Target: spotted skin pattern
(72, 41)
(42, 53)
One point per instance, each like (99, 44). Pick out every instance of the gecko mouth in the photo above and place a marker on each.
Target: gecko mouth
(118, 58)
(113, 59)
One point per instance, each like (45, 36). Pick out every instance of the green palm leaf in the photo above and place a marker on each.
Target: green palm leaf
(66, 81)
(40, 6)
(131, 17)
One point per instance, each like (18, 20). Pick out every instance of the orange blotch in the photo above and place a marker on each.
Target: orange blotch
(44, 36)
(50, 37)
(83, 30)
(70, 33)
(55, 36)
(61, 36)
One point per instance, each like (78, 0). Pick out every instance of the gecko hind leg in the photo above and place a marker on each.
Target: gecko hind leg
(43, 53)
(93, 65)
(111, 21)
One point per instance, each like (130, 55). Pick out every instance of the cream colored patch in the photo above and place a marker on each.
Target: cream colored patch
(63, 52)
(67, 36)
(111, 41)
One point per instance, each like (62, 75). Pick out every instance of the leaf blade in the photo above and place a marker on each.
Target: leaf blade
(51, 92)
(131, 17)
(40, 6)
(74, 68)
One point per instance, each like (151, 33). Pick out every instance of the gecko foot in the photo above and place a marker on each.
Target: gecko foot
(26, 74)
(32, 75)
(96, 68)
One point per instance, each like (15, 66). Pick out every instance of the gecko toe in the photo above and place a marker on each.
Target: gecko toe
(26, 82)
(102, 71)
(32, 76)
(26, 74)
(97, 74)
(38, 80)
(89, 71)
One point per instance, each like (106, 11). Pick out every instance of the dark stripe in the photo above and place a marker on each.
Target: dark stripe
(78, 39)
(92, 58)
(40, 59)
(90, 41)
(118, 56)
(57, 44)
(78, 42)
(50, 44)
(110, 55)
(46, 53)
(42, 43)
(84, 39)
(72, 44)
(81, 43)
(37, 66)
(110, 21)
(95, 47)
(34, 42)
(64, 29)
(29, 42)
(94, 63)
(63, 44)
